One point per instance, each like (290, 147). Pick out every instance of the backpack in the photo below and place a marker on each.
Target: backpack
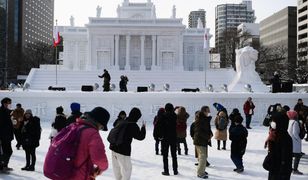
(302, 130)
(59, 161)
(222, 123)
(116, 135)
(267, 120)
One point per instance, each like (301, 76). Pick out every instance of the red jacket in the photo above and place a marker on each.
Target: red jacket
(247, 107)
(91, 151)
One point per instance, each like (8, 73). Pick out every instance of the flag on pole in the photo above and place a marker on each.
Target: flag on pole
(56, 36)
(205, 38)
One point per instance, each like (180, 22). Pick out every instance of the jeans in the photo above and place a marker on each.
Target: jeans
(248, 120)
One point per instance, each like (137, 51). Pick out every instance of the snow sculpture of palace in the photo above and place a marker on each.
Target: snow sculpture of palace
(245, 72)
(135, 40)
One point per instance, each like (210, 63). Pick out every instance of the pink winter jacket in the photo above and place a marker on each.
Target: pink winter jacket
(91, 151)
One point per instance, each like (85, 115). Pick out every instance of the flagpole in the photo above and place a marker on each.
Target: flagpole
(56, 58)
(56, 66)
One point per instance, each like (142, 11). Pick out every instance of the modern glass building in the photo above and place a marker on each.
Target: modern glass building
(278, 32)
(227, 18)
(194, 16)
(302, 33)
(22, 23)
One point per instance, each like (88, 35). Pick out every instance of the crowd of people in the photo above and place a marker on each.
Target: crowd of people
(287, 127)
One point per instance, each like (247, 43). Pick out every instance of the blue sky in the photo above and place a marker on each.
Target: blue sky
(81, 10)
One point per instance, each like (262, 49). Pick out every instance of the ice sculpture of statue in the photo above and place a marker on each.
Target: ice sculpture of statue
(98, 11)
(72, 21)
(173, 12)
(245, 71)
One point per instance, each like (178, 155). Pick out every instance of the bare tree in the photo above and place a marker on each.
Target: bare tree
(301, 65)
(36, 54)
(275, 58)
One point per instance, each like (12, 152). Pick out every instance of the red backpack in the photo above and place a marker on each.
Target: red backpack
(59, 161)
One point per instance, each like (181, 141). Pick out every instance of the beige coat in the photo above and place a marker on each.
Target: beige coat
(221, 134)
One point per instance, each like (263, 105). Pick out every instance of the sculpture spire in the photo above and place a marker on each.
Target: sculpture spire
(200, 25)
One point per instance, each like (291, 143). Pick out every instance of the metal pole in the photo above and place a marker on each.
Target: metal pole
(56, 66)
(6, 45)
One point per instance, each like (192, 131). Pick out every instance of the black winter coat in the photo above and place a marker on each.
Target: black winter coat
(60, 122)
(168, 127)
(280, 152)
(131, 131)
(238, 135)
(72, 118)
(202, 131)
(6, 125)
(31, 133)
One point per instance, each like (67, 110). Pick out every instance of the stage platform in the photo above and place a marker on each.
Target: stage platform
(44, 103)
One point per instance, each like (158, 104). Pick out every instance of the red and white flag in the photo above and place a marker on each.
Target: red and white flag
(56, 36)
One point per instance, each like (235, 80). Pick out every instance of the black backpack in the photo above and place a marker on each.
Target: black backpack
(116, 135)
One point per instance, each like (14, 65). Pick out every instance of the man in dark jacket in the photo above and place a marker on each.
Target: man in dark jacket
(6, 134)
(60, 120)
(202, 137)
(169, 139)
(121, 160)
(238, 136)
(107, 78)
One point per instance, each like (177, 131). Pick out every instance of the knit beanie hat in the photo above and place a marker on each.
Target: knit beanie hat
(75, 107)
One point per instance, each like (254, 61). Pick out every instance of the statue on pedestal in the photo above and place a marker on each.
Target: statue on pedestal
(98, 11)
(173, 12)
(72, 21)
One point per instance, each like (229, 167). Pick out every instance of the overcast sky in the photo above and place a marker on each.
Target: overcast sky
(81, 9)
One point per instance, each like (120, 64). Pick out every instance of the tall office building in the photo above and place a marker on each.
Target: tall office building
(302, 33)
(194, 16)
(278, 32)
(227, 18)
(22, 23)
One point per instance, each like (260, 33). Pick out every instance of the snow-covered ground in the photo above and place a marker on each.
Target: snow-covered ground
(148, 166)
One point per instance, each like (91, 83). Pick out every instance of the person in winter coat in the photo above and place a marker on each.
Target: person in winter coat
(75, 108)
(157, 129)
(280, 148)
(60, 120)
(121, 117)
(6, 134)
(107, 78)
(235, 112)
(121, 160)
(31, 134)
(221, 124)
(202, 137)
(294, 130)
(248, 110)
(17, 117)
(123, 83)
(181, 127)
(192, 133)
(169, 139)
(206, 110)
(91, 158)
(238, 135)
